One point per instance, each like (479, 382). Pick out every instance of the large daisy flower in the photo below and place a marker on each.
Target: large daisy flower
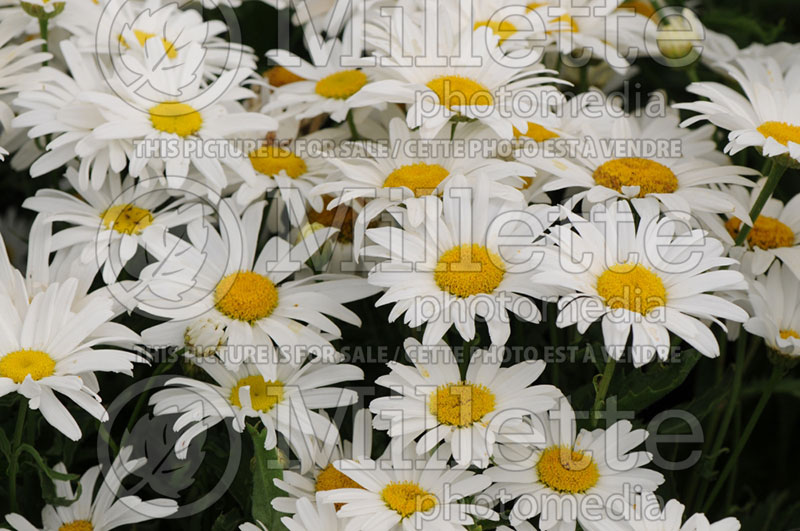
(652, 279)
(767, 116)
(554, 477)
(220, 276)
(775, 298)
(281, 395)
(103, 511)
(488, 91)
(653, 518)
(467, 413)
(110, 224)
(47, 347)
(403, 495)
(451, 269)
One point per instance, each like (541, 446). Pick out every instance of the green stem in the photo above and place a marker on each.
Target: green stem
(43, 22)
(776, 171)
(602, 390)
(453, 130)
(352, 125)
(777, 374)
(13, 466)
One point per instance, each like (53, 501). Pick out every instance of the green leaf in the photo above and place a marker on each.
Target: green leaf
(227, 521)
(701, 406)
(641, 388)
(52, 474)
(265, 470)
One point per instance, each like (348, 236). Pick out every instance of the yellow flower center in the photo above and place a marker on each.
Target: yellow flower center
(468, 270)
(341, 85)
(270, 160)
(407, 498)
(650, 176)
(781, 131)
(420, 178)
(21, 363)
(126, 219)
(264, 394)
(77, 525)
(456, 91)
(566, 470)
(246, 296)
(501, 28)
(527, 182)
(767, 232)
(342, 217)
(536, 132)
(176, 118)
(461, 404)
(633, 287)
(331, 479)
(279, 76)
(642, 7)
(786, 334)
(143, 36)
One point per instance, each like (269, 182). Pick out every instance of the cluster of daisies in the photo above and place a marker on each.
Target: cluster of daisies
(455, 165)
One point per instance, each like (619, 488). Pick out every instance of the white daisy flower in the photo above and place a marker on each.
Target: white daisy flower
(652, 279)
(767, 116)
(409, 495)
(221, 276)
(467, 413)
(47, 346)
(775, 298)
(457, 266)
(669, 519)
(556, 476)
(313, 517)
(281, 395)
(103, 511)
(490, 92)
(110, 224)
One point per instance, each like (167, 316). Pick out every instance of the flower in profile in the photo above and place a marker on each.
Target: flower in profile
(775, 298)
(653, 518)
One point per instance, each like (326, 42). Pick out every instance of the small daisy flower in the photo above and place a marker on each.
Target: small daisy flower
(651, 280)
(47, 348)
(111, 223)
(283, 396)
(408, 495)
(451, 269)
(766, 117)
(669, 519)
(311, 517)
(467, 413)
(775, 298)
(552, 478)
(101, 512)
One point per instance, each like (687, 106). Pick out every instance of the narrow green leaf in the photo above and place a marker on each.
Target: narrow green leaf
(641, 388)
(52, 474)
(265, 470)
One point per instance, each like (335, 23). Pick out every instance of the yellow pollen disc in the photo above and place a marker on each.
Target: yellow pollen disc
(454, 91)
(786, 334)
(126, 219)
(342, 217)
(633, 287)
(781, 132)
(331, 479)
(527, 182)
(565, 23)
(767, 232)
(420, 178)
(270, 160)
(501, 28)
(461, 404)
(468, 270)
(21, 363)
(642, 7)
(566, 470)
(77, 525)
(246, 296)
(175, 117)
(279, 76)
(407, 498)
(143, 36)
(341, 85)
(650, 176)
(536, 132)
(264, 394)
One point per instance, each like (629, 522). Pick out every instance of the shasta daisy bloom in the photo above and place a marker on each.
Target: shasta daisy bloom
(496, 92)
(451, 269)
(652, 279)
(221, 276)
(766, 117)
(653, 518)
(467, 413)
(101, 512)
(47, 347)
(775, 298)
(567, 469)
(283, 396)
(111, 223)
(409, 495)
(303, 488)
